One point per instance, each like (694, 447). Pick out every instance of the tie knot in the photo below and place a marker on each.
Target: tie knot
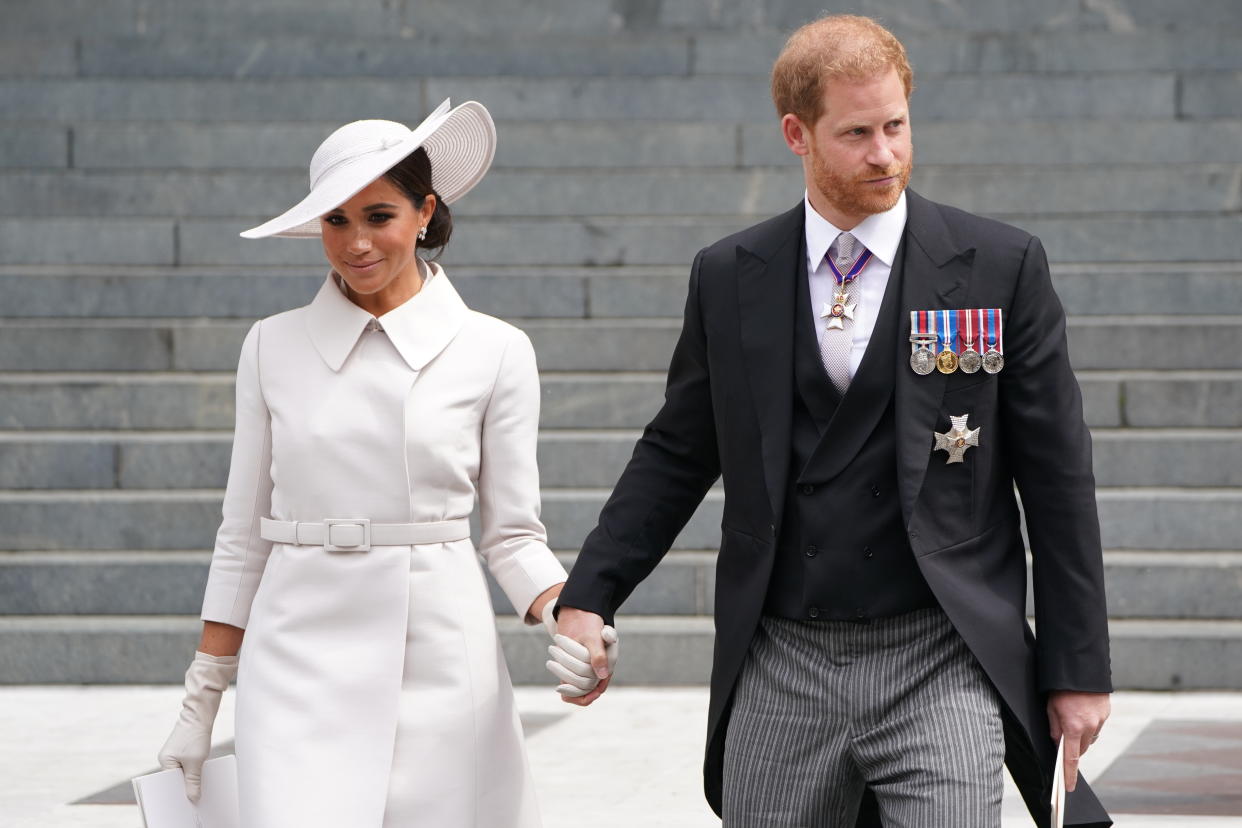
(842, 251)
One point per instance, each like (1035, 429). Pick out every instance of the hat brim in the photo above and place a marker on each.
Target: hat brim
(460, 142)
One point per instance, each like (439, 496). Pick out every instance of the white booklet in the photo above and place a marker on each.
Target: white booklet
(163, 803)
(1058, 788)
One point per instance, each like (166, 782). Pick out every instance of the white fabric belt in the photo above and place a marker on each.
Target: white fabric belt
(360, 534)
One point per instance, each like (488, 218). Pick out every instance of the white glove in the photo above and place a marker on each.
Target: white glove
(190, 742)
(571, 662)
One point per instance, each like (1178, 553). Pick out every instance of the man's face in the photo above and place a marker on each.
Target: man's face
(858, 155)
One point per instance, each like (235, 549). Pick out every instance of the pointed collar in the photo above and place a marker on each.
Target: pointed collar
(880, 233)
(419, 328)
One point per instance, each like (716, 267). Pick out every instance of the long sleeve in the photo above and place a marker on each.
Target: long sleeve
(1050, 448)
(240, 553)
(514, 543)
(674, 464)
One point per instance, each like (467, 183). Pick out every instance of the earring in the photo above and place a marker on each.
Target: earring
(422, 232)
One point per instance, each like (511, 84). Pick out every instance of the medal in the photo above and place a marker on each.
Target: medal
(922, 338)
(841, 308)
(957, 439)
(993, 358)
(969, 361)
(946, 360)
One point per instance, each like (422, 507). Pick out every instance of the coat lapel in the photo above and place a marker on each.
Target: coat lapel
(936, 275)
(767, 272)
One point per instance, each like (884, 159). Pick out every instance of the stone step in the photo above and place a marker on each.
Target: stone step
(670, 240)
(1202, 458)
(1006, 51)
(379, 18)
(1130, 518)
(289, 146)
(612, 144)
(1154, 584)
(713, 98)
(172, 583)
(600, 344)
(325, 18)
(177, 401)
(30, 58)
(519, 291)
(584, 241)
(278, 55)
(920, 16)
(1061, 190)
(659, 650)
(241, 55)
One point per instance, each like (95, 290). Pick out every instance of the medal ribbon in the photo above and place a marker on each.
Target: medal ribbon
(996, 338)
(859, 264)
(948, 330)
(964, 321)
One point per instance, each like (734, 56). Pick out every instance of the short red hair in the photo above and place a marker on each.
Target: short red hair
(841, 46)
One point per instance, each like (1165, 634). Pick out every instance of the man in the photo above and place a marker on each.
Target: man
(873, 660)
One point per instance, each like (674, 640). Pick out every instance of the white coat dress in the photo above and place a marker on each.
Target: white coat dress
(372, 691)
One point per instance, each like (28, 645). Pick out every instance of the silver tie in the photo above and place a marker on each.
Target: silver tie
(836, 343)
(844, 257)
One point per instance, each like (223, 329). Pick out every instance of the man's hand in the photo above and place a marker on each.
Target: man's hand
(587, 629)
(1078, 717)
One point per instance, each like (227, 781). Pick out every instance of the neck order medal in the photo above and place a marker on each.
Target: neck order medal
(842, 308)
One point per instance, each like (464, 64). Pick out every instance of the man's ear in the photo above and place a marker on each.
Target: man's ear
(797, 135)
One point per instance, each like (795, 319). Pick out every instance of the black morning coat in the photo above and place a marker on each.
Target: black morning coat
(727, 412)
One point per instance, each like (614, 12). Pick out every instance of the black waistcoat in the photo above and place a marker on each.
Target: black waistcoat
(842, 551)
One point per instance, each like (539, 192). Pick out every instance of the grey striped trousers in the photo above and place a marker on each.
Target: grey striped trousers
(824, 709)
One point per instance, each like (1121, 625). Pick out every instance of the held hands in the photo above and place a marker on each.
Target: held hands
(190, 743)
(583, 655)
(1079, 717)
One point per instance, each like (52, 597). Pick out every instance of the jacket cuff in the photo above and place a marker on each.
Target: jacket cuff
(527, 574)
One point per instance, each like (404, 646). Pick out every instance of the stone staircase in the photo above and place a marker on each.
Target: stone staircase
(138, 137)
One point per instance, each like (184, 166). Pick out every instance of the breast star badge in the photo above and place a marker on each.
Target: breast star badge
(958, 439)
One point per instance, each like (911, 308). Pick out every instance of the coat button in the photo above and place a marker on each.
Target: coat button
(914, 535)
(859, 614)
(808, 488)
(813, 612)
(811, 551)
(875, 490)
(867, 553)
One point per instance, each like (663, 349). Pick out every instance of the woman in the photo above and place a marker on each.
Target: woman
(372, 690)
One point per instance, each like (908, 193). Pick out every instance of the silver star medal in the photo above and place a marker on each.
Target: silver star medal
(840, 310)
(958, 439)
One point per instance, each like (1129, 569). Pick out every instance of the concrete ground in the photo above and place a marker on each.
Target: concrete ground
(633, 759)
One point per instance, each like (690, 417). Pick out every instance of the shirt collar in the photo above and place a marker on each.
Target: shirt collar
(880, 233)
(419, 328)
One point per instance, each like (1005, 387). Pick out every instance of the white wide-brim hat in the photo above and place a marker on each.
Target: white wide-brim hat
(460, 141)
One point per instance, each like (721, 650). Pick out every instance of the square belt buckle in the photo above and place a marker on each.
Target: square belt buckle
(347, 535)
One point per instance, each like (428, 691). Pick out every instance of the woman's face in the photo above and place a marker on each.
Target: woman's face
(370, 239)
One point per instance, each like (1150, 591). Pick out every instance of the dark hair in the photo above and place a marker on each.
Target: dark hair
(412, 176)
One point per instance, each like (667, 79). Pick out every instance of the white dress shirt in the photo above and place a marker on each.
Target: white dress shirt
(879, 233)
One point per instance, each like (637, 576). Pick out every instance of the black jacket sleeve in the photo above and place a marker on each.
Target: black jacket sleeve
(674, 463)
(1050, 454)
